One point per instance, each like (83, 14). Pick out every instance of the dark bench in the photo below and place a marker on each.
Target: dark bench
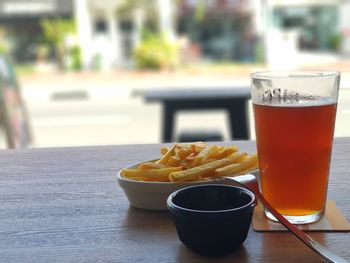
(234, 100)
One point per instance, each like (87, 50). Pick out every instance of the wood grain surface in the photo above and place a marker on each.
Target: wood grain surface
(64, 205)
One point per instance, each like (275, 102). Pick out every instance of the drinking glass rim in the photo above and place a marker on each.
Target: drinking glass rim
(294, 74)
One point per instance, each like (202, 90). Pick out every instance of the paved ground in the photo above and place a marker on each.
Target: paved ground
(97, 109)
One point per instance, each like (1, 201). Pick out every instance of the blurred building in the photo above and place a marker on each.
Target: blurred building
(225, 29)
(292, 32)
(304, 31)
(109, 38)
(221, 29)
(103, 37)
(21, 20)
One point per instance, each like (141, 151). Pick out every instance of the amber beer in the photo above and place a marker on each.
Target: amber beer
(294, 144)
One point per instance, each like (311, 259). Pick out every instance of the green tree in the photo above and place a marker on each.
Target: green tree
(127, 8)
(156, 52)
(54, 33)
(4, 47)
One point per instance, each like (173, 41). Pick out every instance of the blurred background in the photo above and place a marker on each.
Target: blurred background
(77, 72)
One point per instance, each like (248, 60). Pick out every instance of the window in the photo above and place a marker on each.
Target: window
(100, 26)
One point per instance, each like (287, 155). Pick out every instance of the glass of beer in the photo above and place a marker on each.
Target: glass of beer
(294, 123)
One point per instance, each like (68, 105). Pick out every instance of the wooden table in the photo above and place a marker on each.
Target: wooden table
(234, 100)
(64, 205)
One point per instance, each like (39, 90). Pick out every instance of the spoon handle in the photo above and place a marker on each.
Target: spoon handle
(249, 181)
(314, 245)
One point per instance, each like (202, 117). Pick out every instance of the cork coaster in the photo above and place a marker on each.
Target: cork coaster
(333, 221)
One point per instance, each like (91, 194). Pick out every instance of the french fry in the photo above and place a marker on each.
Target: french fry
(151, 165)
(166, 156)
(191, 157)
(203, 170)
(147, 179)
(174, 161)
(164, 150)
(183, 152)
(205, 154)
(209, 160)
(152, 174)
(193, 147)
(249, 169)
(183, 145)
(193, 161)
(198, 146)
(226, 152)
(237, 168)
(240, 159)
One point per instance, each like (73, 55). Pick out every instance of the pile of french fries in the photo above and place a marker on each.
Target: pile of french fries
(194, 162)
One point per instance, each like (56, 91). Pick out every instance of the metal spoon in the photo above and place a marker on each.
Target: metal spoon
(250, 182)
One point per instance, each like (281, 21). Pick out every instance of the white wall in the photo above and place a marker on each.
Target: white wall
(83, 22)
(344, 24)
(106, 45)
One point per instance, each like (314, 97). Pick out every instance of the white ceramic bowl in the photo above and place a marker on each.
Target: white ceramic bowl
(152, 195)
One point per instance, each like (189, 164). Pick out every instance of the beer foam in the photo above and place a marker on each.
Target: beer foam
(321, 101)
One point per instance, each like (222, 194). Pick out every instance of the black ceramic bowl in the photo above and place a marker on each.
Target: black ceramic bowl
(212, 219)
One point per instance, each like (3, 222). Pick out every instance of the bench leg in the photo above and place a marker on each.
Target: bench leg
(168, 123)
(239, 124)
